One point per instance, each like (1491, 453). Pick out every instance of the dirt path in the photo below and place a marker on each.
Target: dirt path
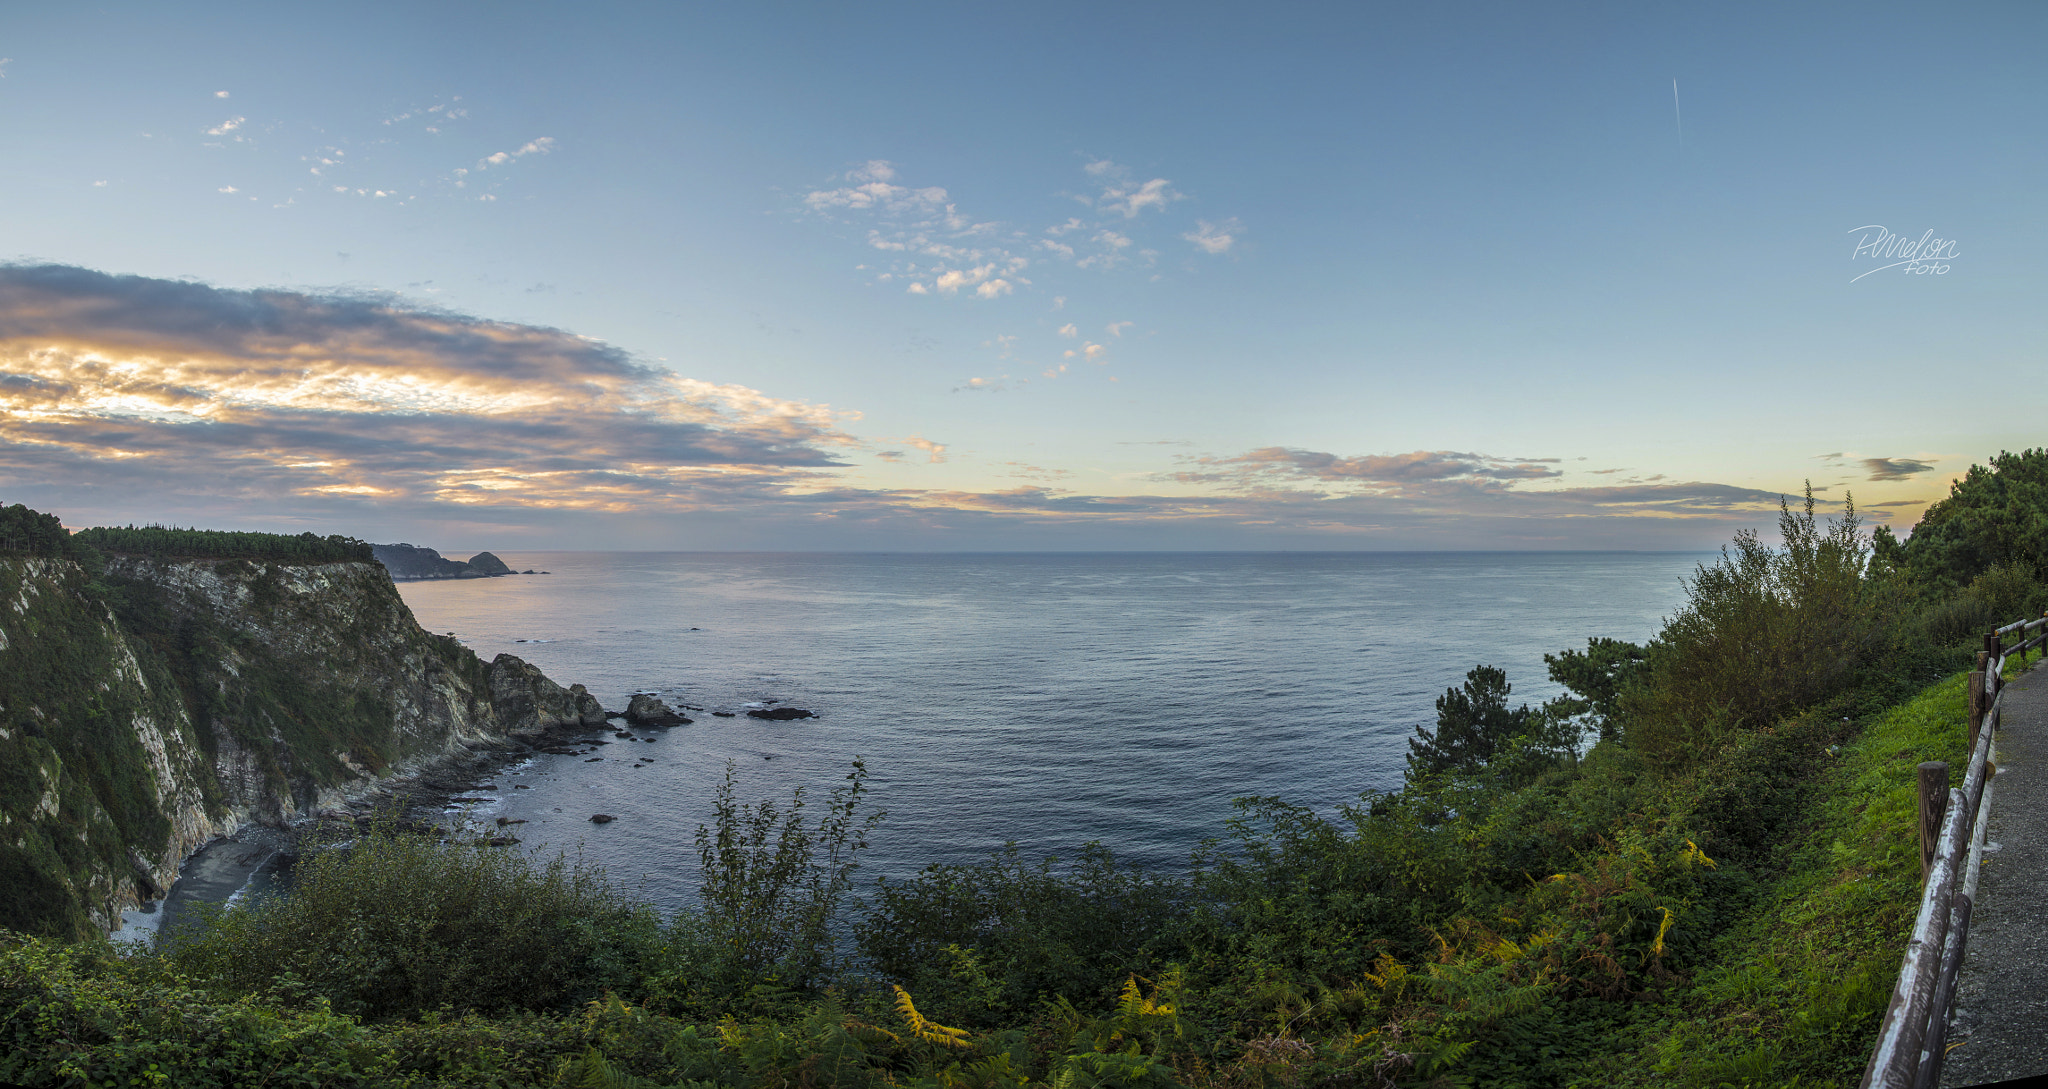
(2001, 1023)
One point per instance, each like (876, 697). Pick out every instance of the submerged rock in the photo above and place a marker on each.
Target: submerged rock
(780, 714)
(602, 818)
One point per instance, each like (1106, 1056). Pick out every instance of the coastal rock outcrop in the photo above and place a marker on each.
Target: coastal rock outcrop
(405, 561)
(528, 704)
(780, 714)
(646, 709)
(161, 702)
(490, 565)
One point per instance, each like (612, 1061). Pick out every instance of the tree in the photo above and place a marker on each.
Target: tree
(1596, 678)
(1473, 725)
(1992, 518)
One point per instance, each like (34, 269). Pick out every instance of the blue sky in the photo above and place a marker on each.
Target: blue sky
(1046, 276)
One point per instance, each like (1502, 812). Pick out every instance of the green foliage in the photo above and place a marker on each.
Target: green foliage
(213, 544)
(772, 882)
(34, 533)
(1991, 600)
(1596, 678)
(77, 785)
(984, 943)
(394, 925)
(1764, 633)
(1995, 516)
(1473, 725)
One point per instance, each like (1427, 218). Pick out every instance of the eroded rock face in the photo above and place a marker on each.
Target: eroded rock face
(592, 712)
(490, 565)
(528, 704)
(219, 693)
(646, 709)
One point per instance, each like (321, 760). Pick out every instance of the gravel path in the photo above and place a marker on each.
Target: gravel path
(2001, 1023)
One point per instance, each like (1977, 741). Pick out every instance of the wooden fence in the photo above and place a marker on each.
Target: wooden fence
(1913, 1040)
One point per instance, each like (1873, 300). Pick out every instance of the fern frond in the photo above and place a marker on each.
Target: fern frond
(930, 1032)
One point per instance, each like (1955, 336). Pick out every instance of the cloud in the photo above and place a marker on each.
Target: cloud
(220, 94)
(135, 386)
(1214, 237)
(541, 146)
(1070, 330)
(1123, 195)
(1895, 468)
(935, 452)
(227, 126)
(229, 189)
(1272, 466)
(4, 62)
(1116, 328)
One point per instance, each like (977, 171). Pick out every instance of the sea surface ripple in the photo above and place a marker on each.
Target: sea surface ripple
(1046, 699)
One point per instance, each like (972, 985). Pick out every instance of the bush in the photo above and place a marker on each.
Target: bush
(1765, 633)
(1993, 516)
(394, 925)
(1993, 599)
(772, 885)
(994, 938)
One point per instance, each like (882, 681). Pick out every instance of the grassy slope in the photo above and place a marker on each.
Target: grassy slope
(1795, 991)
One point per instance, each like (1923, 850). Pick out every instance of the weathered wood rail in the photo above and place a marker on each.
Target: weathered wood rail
(1913, 1040)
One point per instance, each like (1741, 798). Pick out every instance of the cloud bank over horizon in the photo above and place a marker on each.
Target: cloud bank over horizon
(126, 398)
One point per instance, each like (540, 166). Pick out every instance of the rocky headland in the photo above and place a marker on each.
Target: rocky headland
(407, 562)
(154, 704)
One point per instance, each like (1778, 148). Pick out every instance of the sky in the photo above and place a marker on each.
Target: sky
(1048, 276)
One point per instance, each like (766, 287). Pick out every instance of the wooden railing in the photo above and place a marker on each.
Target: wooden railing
(1913, 1039)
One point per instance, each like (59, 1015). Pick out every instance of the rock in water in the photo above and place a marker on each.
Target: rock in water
(780, 714)
(602, 818)
(490, 565)
(591, 712)
(647, 710)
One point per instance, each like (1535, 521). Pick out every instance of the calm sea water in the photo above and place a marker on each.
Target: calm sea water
(1049, 699)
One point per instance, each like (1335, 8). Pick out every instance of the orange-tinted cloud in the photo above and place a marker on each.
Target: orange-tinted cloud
(122, 382)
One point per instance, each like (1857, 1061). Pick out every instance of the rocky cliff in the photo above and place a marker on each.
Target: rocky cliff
(164, 701)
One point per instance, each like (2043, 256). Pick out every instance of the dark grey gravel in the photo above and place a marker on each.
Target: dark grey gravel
(2000, 1029)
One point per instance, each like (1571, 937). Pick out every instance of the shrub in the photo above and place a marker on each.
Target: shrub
(997, 936)
(393, 925)
(1993, 516)
(1765, 633)
(772, 883)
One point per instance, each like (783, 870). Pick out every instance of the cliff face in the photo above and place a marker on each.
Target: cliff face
(173, 700)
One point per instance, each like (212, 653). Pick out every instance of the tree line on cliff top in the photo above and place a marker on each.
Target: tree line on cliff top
(32, 532)
(1694, 868)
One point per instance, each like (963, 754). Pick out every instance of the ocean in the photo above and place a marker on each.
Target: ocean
(1046, 699)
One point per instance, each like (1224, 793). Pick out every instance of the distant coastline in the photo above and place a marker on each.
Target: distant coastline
(413, 563)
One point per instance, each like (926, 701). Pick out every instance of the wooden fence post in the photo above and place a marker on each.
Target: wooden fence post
(1976, 702)
(1933, 806)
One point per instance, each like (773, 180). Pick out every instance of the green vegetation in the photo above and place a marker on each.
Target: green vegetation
(97, 657)
(395, 925)
(1995, 516)
(213, 544)
(31, 531)
(76, 788)
(1714, 891)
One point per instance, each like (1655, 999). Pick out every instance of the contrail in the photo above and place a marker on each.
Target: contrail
(1674, 111)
